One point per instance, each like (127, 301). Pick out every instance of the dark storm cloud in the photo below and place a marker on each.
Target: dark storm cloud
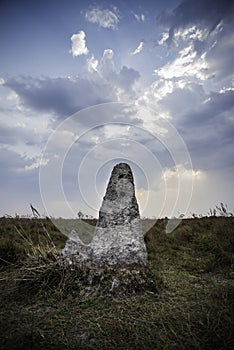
(209, 13)
(65, 96)
(60, 95)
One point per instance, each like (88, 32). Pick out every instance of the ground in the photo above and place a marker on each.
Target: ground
(182, 300)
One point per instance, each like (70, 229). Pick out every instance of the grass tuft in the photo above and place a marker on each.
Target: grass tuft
(53, 276)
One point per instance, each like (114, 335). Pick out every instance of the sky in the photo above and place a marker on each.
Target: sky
(85, 85)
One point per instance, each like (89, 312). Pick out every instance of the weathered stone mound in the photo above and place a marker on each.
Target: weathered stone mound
(118, 237)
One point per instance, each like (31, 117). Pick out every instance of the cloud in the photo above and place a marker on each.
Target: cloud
(204, 120)
(26, 142)
(79, 44)
(60, 96)
(180, 98)
(187, 64)
(18, 187)
(37, 164)
(93, 149)
(139, 17)
(208, 13)
(209, 39)
(192, 90)
(138, 49)
(221, 57)
(101, 82)
(164, 38)
(216, 105)
(180, 170)
(23, 130)
(107, 66)
(126, 78)
(92, 64)
(104, 18)
(120, 81)
(11, 136)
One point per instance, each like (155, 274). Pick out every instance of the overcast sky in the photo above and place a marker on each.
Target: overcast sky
(85, 85)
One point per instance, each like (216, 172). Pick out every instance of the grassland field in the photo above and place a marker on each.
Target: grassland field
(183, 299)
